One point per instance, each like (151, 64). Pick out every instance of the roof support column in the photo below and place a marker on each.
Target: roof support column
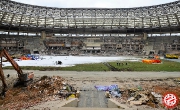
(145, 36)
(43, 35)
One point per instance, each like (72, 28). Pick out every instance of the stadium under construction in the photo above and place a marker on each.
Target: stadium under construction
(28, 28)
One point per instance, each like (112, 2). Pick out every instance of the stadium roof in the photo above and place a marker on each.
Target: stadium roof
(95, 3)
(23, 17)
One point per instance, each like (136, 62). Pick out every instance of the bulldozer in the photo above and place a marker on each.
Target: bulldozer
(23, 78)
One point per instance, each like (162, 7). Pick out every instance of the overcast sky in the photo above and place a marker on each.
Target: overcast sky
(94, 3)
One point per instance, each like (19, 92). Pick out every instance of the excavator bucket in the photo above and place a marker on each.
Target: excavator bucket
(27, 76)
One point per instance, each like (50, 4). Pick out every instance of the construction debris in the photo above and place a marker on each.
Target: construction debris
(111, 91)
(45, 89)
(177, 80)
(106, 88)
(149, 96)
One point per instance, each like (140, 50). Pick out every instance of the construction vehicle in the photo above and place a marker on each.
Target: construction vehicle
(171, 56)
(23, 78)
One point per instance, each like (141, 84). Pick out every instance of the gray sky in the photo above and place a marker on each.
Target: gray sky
(94, 3)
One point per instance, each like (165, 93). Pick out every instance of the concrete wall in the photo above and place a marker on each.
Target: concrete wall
(114, 104)
(70, 103)
(147, 49)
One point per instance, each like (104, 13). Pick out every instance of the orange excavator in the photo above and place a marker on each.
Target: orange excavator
(23, 78)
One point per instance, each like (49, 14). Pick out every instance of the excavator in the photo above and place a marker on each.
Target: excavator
(23, 78)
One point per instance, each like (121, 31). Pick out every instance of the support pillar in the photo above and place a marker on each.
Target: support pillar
(145, 36)
(43, 35)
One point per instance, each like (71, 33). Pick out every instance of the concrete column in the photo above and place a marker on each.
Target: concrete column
(43, 35)
(145, 36)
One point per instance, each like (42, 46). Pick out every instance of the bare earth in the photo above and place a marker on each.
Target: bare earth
(87, 80)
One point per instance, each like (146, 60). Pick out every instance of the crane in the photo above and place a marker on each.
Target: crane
(23, 78)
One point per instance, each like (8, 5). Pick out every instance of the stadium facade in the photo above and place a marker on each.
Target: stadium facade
(118, 31)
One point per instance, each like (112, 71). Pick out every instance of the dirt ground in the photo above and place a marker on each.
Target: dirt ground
(84, 81)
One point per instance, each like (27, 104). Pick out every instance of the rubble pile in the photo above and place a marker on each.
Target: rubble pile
(136, 98)
(45, 89)
(164, 89)
(145, 94)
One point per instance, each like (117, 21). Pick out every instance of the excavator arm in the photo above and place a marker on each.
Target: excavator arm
(23, 78)
(5, 54)
(4, 89)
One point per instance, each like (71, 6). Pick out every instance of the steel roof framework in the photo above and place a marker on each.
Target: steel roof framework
(23, 17)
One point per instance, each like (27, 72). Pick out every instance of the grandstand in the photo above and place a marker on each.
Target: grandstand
(77, 31)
